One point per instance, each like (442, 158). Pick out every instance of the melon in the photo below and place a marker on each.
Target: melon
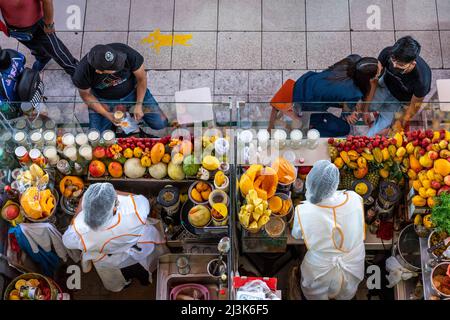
(133, 168)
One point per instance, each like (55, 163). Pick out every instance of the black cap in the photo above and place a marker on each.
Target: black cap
(5, 59)
(104, 57)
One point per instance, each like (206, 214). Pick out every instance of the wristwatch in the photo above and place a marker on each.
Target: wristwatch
(50, 25)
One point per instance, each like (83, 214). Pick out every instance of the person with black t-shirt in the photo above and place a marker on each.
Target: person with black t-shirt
(113, 75)
(405, 82)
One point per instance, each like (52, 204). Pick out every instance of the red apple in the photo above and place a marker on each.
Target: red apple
(11, 212)
(447, 180)
(429, 147)
(422, 152)
(97, 168)
(429, 133)
(435, 185)
(444, 189)
(433, 155)
(422, 135)
(425, 142)
(99, 152)
(415, 143)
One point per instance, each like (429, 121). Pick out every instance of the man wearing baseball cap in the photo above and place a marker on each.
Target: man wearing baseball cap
(112, 75)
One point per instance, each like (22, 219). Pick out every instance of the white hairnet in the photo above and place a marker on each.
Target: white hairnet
(98, 204)
(322, 181)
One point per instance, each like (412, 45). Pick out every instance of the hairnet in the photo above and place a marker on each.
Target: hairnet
(322, 181)
(98, 204)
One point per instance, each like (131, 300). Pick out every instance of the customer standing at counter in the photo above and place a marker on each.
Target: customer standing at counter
(331, 223)
(31, 23)
(405, 82)
(114, 234)
(114, 75)
(347, 81)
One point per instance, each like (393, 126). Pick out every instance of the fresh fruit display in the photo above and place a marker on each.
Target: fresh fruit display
(286, 172)
(37, 204)
(200, 192)
(34, 176)
(429, 166)
(264, 180)
(255, 213)
(199, 216)
(71, 186)
(360, 155)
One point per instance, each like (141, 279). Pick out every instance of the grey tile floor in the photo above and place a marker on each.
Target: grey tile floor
(243, 49)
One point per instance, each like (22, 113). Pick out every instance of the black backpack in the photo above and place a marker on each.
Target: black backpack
(30, 87)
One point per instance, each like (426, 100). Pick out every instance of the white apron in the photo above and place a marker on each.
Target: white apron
(114, 247)
(333, 267)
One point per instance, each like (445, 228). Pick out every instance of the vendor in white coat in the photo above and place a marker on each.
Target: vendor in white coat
(113, 233)
(331, 223)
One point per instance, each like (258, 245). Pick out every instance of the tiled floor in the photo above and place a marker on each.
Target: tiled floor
(245, 49)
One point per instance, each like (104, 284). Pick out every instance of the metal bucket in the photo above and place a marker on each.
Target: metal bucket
(407, 249)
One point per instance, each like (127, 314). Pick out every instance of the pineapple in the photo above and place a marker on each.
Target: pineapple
(346, 180)
(373, 177)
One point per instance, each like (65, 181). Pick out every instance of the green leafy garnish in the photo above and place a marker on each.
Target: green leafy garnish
(440, 214)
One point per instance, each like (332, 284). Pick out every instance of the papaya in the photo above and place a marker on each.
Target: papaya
(275, 204)
(378, 156)
(419, 201)
(69, 184)
(166, 158)
(360, 172)
(345, 157)
(266, 183)
(353, 155)
(352, 165)
(285, 170)
(442, 166)
(196, 196)
(157, 153)
(362, 162)
(368, 157)
(414, 163)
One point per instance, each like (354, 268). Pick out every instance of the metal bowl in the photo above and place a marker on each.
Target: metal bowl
(439, 269)
(192, 186)
(430, 245)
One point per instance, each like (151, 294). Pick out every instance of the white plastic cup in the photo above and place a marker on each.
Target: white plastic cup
(280, 137)
(70, 152)
(86, 152)
(313, 137)
(296, 138)
(51, 154)
(81, 139)
(68, 139)
(263, 138)
(109, 137)
(93, 137)
(49, 138)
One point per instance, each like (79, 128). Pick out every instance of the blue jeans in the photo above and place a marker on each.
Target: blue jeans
(153, 115)
(387, 105)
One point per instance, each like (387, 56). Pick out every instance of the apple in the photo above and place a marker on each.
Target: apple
(447, 180)
(11, 212)
(425, 142)
(422, 135)
(433, 155)
(99, 152)
(422, 152)
(429, 133)
(97, 168)
(435, 185)
(415, 143)
(444, 189)
(443, 144)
